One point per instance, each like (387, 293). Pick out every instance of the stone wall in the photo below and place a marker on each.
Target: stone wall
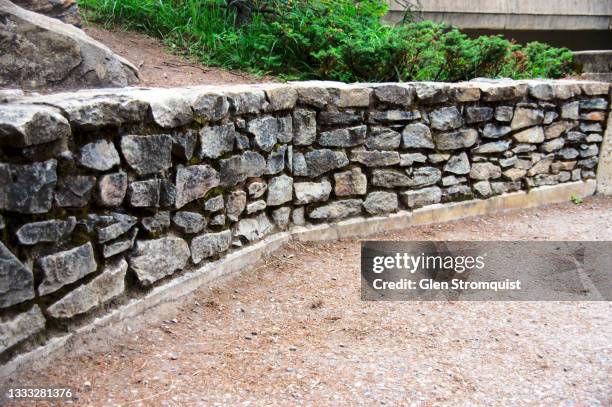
(105, 195)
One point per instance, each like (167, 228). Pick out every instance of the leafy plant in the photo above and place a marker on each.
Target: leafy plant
(329, 39)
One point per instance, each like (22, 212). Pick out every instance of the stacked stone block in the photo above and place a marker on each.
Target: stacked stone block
(105, 194)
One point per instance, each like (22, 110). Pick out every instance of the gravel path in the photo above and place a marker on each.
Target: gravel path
(295, 332)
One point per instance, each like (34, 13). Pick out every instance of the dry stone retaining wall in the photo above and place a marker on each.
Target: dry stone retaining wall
(107, 194)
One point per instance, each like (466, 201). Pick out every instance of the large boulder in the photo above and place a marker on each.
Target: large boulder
(64, 10)
(39, 51)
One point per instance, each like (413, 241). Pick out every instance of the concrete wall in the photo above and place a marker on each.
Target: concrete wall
(116, 198)
(515, 14)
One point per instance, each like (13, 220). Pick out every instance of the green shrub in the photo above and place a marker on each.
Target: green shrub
(330, 39)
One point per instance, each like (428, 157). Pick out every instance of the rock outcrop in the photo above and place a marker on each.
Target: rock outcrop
(42, 52)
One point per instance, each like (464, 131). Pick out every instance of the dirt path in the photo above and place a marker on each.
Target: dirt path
(294, 332)
(159, 67)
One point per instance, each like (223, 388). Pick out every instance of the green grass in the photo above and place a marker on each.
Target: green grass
(329, 39)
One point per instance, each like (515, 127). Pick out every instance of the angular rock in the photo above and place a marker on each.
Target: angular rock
(285, 129)
(193, 182)
(390, 179)
(438, 158)
(247, 101)
(457, 193)
(276, 160)
(493, 131)
(309, 192)
(421, 197)
(103, 288)
(21, 327)
(74, 191)
(432, 93)
(589, 150)
(458, 164)
(237, 168)
(485, 171)
(504, 113)
(525, 117)
(211, 106)
(214, 204)
(256, 206)
(552, 145)
(167, 193)
(121, 245)
(147, 154)
(16, 280)
(350, 96)
(382, 138)
(184, 143)
(425, 176)
(189, 222)
(337, 210)
(144, 194)
(297, 216)
(352, 182)
(236, 202)
(557, 129)
(158, 223)
(217, 140)
(478, 114)
(375, 158)
(280, 190)
(27, 125)
(112, 189)
(265, 131)
(541, 167)
(257, 189)
(591, 127)
(209, 245)
(281, 216)
(459, 139)
(44, 52)
(483, 188)
(532, 135)
(343, 137)
(217, 220)
(503, 91)
(394, 116)
(417, 135)
(155, 259)
(313, 96)
(254, 228)
(100, 155)
(281, 98)
(304, 127)
(594, 104)
(395, 94)
(542, 91)
(446, 118)
(27, 188)
(550, 117)
(380, 202)
(121, 225)
(65, 267)
(317, 162)
(343, 118)
(407, 160)
(494, 147)
(508, 162)
(450, 180)
(53, 231)
(571, 110)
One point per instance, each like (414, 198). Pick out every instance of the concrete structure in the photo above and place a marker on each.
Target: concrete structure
(513, 14)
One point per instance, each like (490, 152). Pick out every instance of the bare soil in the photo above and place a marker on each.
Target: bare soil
(159, 67)
(294, 331)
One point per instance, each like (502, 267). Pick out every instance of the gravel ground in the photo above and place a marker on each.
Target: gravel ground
(295, 332)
